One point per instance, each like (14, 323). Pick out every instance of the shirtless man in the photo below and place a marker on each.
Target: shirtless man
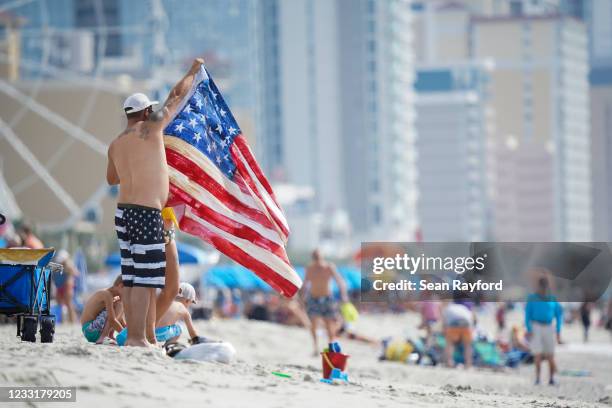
(137, 162)
(319, 302)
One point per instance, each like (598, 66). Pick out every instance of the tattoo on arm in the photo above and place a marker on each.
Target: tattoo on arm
(144, 132)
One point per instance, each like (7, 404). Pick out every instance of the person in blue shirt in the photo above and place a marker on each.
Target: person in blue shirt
(541, 309)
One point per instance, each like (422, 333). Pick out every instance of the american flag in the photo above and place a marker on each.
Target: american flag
(218, 190)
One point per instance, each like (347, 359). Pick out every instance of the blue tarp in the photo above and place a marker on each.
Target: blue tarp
(22, 288)
(188, 255)
(239, 277)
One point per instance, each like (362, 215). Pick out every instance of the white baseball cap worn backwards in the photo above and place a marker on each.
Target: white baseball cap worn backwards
(137, 102)
(186, 291)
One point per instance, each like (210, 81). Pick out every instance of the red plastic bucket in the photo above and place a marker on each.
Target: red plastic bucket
(333, 360)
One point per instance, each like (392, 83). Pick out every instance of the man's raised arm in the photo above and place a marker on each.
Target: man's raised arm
(112, 178)
(167, 112)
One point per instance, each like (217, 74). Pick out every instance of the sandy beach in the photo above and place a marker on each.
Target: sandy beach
(128, 377)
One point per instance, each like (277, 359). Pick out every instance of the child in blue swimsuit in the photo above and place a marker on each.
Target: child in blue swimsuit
(103, 313)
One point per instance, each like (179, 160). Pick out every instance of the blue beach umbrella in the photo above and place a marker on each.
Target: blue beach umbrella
(233, 277)
(239, 277)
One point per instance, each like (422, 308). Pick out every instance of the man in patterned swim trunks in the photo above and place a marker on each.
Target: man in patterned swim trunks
(320, 304)
(137, 162)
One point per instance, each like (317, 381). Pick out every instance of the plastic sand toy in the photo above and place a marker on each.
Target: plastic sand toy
(279, 374)
(334, 364)
(335, 377)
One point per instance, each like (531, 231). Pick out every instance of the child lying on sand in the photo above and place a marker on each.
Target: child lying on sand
(103, 313)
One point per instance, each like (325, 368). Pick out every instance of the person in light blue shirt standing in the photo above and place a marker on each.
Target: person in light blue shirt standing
(541, 309)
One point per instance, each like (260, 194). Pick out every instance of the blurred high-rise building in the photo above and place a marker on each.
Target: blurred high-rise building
(89, 54)
(538, 150)
(10, 46)
(539, 93)
(337, 107)
(598, 16)
(110, 38)
(298, 109)
(299, 96)
(452, 124)
(378, 135)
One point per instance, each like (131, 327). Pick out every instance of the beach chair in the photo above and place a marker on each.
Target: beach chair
(25, 291)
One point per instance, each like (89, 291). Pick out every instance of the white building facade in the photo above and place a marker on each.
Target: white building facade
(539, 93)
(452, 125)
(336, 108)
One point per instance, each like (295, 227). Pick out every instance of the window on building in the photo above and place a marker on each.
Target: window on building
(373, 87)
(516, 8)
(371, 26)
(375, 186)
(372, 66)
(417, 6)
(372, 46)
(371, 6)
(87, 16)
(376, 214)
(373, 106)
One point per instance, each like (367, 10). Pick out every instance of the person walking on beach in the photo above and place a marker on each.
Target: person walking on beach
(458, 322)
(585, 318)
(29, 239)
(540, 311)
(137, 163)
(320, 305)
(65, 282)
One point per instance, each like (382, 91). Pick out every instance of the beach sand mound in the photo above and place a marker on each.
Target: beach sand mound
(128, 377)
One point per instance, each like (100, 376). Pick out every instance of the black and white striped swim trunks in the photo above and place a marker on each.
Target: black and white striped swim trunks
(141, 242)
